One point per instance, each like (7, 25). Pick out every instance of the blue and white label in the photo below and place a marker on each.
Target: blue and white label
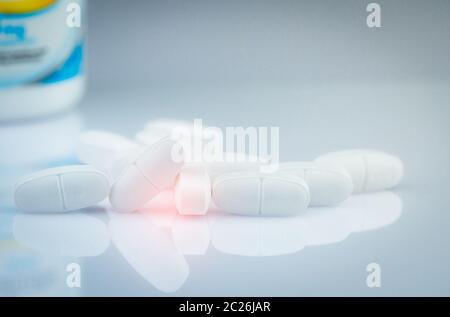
(39, 47)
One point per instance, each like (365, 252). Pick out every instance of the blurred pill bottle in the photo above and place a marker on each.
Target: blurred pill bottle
(41, 56)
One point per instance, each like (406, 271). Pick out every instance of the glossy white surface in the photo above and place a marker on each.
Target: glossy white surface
(328, 257)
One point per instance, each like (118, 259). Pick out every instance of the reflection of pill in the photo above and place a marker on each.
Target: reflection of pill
(68, 234)
(151, 172)
(191, 235)
(370, 170)
(61, 189)
(257, 236)
(149, 250)
(193, 190)
(257, 194)
(328, 185)
(372, 210)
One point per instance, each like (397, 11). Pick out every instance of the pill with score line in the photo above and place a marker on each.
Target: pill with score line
(61, 189)
(258, 194)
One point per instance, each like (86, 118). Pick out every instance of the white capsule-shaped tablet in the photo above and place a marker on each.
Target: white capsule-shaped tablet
(61, 189)
(193, 190)
(120, 161)
(150, 173)
(328, 185)
(370, 170)
(257, 194)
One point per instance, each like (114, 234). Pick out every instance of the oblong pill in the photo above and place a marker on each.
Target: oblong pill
(328, 185)
(61, 189)
(120, 161)
(150, 173)
(257, 194)
(370, 170)
(193, 190)
(132, 190)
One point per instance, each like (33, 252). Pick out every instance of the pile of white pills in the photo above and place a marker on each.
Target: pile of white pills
(131, 173)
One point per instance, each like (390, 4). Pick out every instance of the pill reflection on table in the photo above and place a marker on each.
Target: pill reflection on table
(149, 250)
(72, 234)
